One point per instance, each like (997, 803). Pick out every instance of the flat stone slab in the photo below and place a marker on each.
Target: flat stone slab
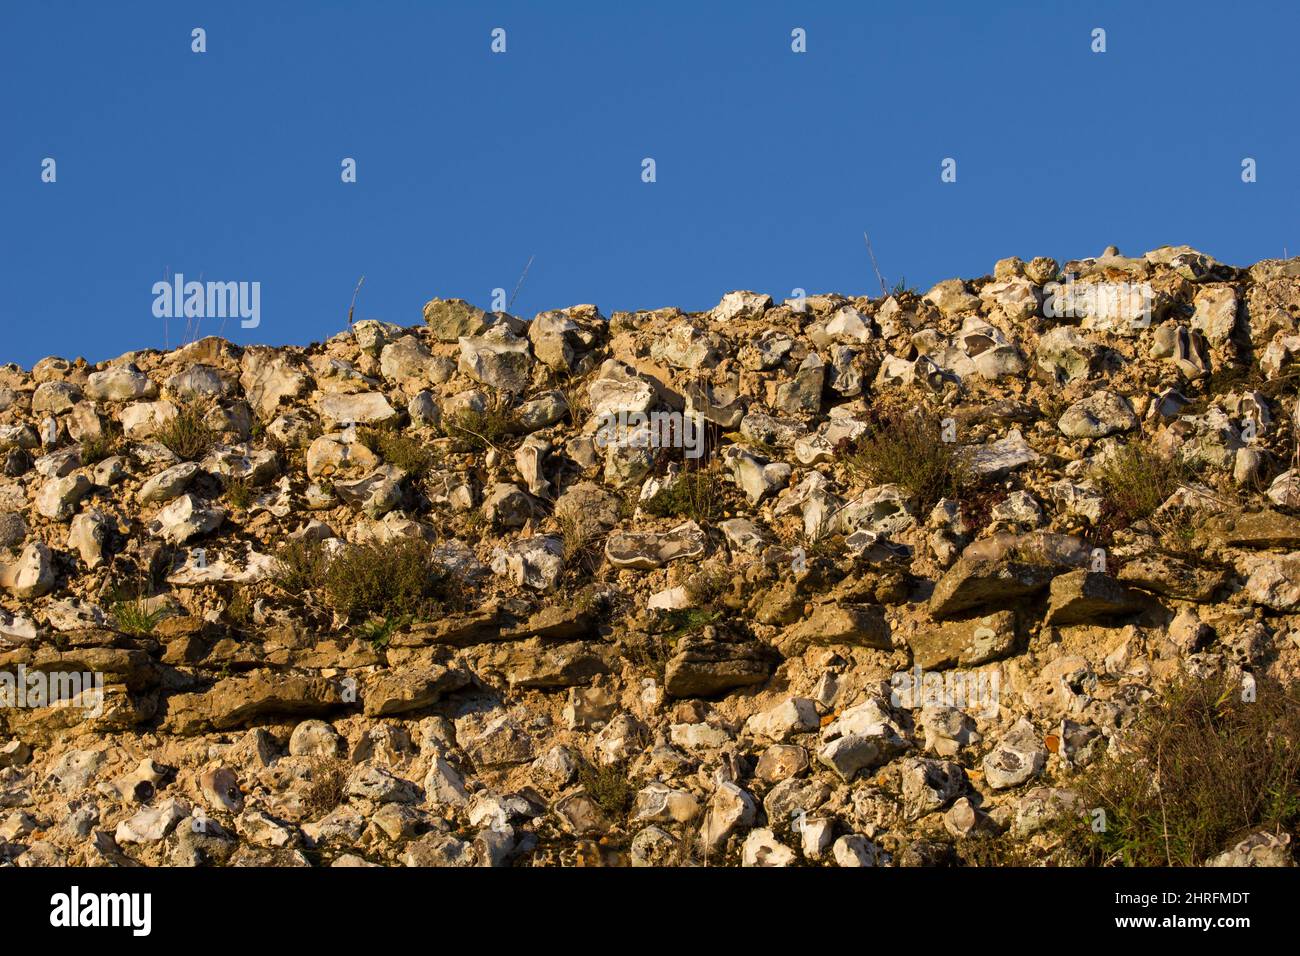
(1261, 530)
(1173, 577)
(972, 583)
(1080, 596)
(965, 643)
(856, 624)
(704, 668)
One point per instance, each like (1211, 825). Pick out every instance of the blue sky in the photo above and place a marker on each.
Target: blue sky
(770, 164)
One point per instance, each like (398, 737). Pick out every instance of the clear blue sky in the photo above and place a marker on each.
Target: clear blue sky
(770, 164)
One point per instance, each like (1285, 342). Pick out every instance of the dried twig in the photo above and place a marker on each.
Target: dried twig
(519, 285)
(469, 431)
(354, 300)
(879, 277)
(1164, 817)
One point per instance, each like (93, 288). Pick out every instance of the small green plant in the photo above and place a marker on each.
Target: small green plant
(99, 447)
(1178, 529)
(710, 586)
(239, 492)
(393, 579)
(609, 786)
(394, 448)
(907, 448)
(649, 653)
(589, 600)
(695, 493)
(581, 535)
(378, 631)
(473, 523)
(133, 613)
(187, 433)
(472, 430)
(1202, 767)
(1137, 480)
(300, 565)
(574, 391)
(688, 620)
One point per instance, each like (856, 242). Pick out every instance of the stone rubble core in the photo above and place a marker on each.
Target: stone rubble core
(793, 668)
